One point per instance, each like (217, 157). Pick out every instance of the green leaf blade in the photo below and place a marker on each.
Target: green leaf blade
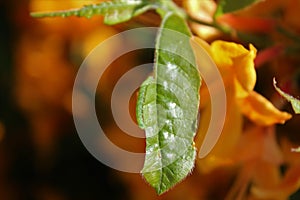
(150, 88)
(168, 107)
(228, 6)
(294, 102)
(114, 12)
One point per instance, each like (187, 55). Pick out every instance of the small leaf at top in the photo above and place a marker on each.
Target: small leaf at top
(294, 102)
(114, 12)
(228, 6)
(168, 107)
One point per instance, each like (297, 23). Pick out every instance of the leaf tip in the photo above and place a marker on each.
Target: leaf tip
(294, 102)
(157, 185)
(159, 191)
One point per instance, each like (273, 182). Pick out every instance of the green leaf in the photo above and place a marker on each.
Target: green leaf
(168, 107)
(114, 12)
(169, 6)
(294, 102)
(148, 87)
(228, 6)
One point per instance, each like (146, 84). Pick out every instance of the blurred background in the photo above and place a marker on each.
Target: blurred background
(41, 155)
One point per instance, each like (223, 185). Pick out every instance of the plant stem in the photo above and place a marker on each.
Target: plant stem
(223, 29)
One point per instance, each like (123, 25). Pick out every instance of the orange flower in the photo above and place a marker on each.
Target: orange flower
(236, 65)
(261, 166)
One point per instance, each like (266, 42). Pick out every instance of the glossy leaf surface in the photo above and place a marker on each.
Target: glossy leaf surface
(168, 107)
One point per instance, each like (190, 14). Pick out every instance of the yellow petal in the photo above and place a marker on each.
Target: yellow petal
(261, 111)
(236, 62)
(212, 161)
(245, 72)
(208, 70)
(224, 53)
(223, 149)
